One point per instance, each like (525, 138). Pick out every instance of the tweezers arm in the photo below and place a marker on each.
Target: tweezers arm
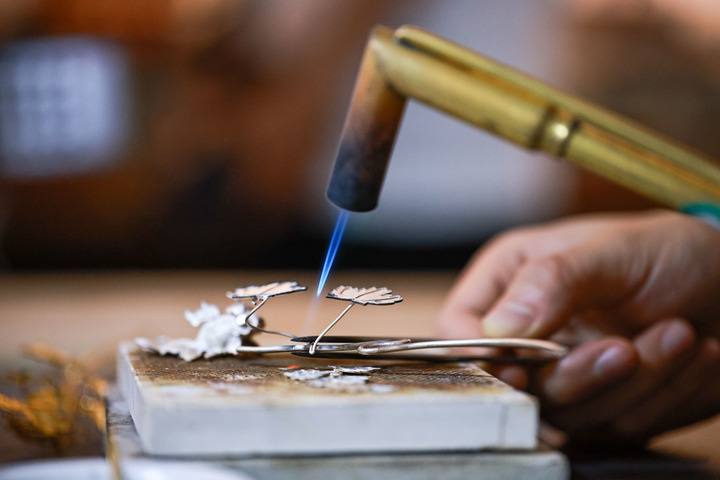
(547, 347)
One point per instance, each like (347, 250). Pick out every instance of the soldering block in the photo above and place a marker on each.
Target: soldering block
(282, 404)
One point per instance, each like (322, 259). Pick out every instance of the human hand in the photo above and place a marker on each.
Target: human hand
(639, 294)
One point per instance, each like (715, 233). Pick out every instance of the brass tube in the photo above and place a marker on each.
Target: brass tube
(412, 63)
(475, 98)
(599, 117)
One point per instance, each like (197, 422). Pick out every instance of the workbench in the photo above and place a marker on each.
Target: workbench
(91, 313)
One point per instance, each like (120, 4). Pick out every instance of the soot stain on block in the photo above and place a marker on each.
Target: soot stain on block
(256, 373)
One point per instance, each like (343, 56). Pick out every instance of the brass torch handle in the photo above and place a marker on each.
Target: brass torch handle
(530, 113)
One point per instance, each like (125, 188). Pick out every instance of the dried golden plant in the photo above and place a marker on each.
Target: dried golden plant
(53, 407)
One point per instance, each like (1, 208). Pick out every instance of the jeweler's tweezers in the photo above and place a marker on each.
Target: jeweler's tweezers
(350, 339)
(546, 347)
(430, 357)
(375, 347)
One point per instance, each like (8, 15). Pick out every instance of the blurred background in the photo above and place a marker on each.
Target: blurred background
(201, 133)
(179, 134)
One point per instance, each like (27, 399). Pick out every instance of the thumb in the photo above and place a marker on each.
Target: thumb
(547, 291)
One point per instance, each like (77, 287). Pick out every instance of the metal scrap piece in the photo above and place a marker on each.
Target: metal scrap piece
(219, 333)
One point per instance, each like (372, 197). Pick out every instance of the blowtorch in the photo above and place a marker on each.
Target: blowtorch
(412, 63)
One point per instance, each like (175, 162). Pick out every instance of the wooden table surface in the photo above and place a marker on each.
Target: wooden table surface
(89, 313)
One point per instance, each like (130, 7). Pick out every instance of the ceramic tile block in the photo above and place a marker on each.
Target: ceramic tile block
(126, 456)
(283, 404)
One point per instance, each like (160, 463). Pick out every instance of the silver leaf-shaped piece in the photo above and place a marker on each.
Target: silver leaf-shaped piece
(263, 292)
(359, 296)
(365, 296)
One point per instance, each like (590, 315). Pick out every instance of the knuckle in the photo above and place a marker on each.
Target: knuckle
(509, 240)
(552, 271)
(507, 245)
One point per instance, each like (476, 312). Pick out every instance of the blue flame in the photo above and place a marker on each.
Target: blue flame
(333, 248)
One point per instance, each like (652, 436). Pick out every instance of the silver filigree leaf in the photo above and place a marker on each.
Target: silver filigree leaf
(263, 292)
(365, 296)
(359, 296)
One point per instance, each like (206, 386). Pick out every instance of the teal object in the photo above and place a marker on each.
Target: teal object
(708, 212)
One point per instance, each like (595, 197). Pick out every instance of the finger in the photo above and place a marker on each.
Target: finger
(513, 375)
(587, 370)
(480, 285)
(489, 272)
(691, 396)
(545, 291)
(663, 350)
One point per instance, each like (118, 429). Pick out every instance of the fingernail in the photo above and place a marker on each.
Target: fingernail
(677, 338)
(612, 362)
(512, 320)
